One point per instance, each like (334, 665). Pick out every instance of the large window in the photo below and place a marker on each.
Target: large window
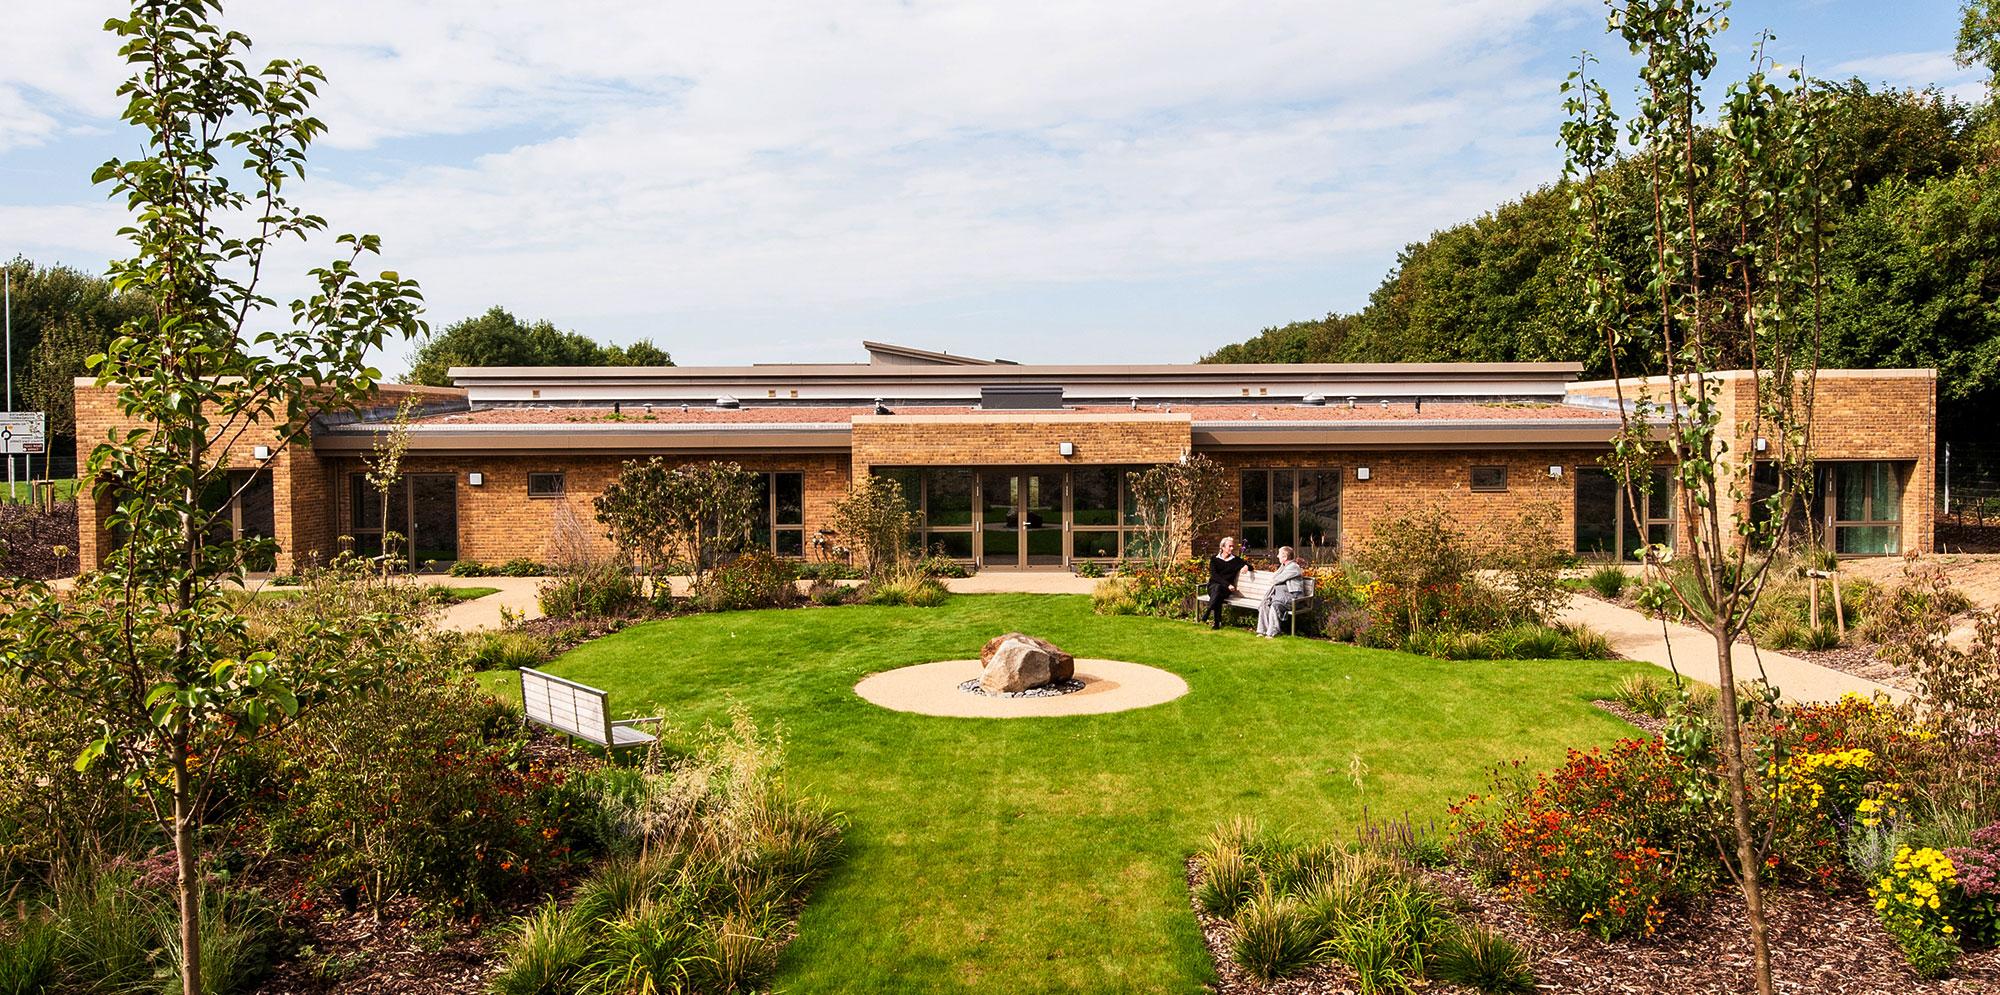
(942, 501)
(779, 524)
(245, 508)
(1608, 523)
(423, 513)
(1105, 523)
(1297, 508)
(1865, 508)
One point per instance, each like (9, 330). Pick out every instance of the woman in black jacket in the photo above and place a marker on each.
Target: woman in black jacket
(1222, 570)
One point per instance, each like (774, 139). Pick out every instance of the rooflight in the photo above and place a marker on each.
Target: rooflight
(1316, 399)
(726, 401)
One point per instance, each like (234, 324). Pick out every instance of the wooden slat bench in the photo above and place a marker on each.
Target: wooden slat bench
(578, 709)
(1251, 588)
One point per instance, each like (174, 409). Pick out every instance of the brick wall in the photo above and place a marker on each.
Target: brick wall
(1018, 439)
(498, 521)
(1401, 483)
(302, 508)
(1857, 415)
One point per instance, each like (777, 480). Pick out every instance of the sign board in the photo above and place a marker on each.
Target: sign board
(23, 432)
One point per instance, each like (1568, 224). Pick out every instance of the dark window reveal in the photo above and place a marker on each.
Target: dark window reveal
(545, 485)
(1489, 478)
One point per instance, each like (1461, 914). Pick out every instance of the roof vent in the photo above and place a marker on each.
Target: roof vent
(1135, 402)
(1316, 400)
(725, 401)
(1021, 397)
(1385, 404)
(1350, 401)
(882, 408)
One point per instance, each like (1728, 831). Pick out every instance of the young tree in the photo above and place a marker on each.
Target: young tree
(1732, 276)
(385, 469)
(1177, 503)
(149, 647)
(658, 512)
(875, 518)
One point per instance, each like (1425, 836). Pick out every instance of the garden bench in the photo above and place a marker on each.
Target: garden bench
(578, 709)
(1251, 588)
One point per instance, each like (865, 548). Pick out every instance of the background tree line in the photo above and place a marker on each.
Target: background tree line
(1912, 271)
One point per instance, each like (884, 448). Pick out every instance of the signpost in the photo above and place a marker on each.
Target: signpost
(22, 433)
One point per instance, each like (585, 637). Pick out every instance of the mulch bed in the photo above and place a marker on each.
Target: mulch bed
(1639, 719)
(352, 954)
(38, 543)
(1820, 945)
(1862, 660)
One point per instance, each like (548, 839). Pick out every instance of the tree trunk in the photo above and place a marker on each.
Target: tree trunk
(189, 882)
(1739, 810)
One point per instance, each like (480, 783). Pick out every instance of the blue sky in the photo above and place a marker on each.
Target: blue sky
(1080, 181)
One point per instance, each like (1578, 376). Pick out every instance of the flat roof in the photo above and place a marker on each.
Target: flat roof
(1012, 371)
(1226, 413)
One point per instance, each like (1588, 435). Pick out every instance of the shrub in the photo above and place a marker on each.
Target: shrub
(940, 565)
(1608, 581)
(521, 566)
(829, 594)
(506, 651)
(1227, 879)
(1483, 960)
(470, 568)
(51, 814)
(424, 789)
(1164, 592)
(828, 570)
(906, 586)
(1113, 596)
(1646, 694)
(876, 519)
(753, 580)
(1090, 568)
(1270, 937)
(1602, 842)
(1422, 567)
(1931, 956)
(590, 590)
(726, 848)
(1532, 553)
(29, 956)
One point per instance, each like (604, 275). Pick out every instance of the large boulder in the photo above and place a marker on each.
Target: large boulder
(1017, 661)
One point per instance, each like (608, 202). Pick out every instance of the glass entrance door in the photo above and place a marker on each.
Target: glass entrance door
(1020, 519)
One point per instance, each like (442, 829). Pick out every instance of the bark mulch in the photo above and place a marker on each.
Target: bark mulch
(1638, 719)
(1820, 945)
(351, 953)
(1861, 660)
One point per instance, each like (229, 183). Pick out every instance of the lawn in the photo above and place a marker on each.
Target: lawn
(1046, 855)
(64, 489)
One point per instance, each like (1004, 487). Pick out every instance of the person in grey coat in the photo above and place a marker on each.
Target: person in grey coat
(1285, 589)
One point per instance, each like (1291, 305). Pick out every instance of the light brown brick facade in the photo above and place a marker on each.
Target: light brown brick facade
(1018, 439)
(1861, 415)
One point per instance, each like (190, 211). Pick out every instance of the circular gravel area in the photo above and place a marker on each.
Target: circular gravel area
(932, 689)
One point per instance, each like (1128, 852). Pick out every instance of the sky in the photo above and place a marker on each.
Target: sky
(1080, 181)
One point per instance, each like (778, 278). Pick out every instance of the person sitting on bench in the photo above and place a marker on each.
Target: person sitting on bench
(1223, 569)
(1285, 588)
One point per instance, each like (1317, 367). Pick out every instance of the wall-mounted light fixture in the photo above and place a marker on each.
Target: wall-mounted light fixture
(1761, 444)
(260, 452)
(1361, 473)
(1066, 448)
(476, 479)
(1555, 472)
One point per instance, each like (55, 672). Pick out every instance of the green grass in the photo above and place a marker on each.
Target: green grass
(65, 489)
(1045, 855)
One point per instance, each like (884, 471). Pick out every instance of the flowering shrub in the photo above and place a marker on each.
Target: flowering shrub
(1163, 591)
(427, 788)
(1602, 842)
(1977, 869)
(753, 580)
(1919, 893)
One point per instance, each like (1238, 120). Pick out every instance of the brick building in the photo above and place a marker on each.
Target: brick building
(1014, 466)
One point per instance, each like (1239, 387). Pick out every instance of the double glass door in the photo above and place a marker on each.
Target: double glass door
(422, 513)
(1021, 518)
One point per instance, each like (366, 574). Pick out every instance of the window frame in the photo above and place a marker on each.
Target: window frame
(770, 526)
(1830, 513)
(1472, 478)
(1293, 502)
(562, 484)
(1645, 519)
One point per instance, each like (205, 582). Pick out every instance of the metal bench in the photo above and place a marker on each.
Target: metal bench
(578, 709)
(1251, 588)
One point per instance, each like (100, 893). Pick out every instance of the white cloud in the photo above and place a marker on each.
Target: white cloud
(731, 160)
(1919, 70)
